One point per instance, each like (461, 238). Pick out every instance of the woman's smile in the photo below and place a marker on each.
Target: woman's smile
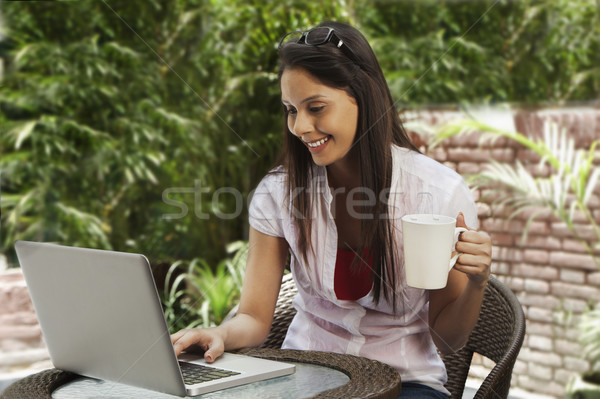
(317, 145)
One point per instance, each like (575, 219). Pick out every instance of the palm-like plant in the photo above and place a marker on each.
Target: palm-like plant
(565, 190)
(196, 294)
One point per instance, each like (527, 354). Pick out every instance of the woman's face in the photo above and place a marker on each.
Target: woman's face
(324, 118)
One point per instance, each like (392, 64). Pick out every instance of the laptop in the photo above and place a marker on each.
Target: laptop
(101, 317)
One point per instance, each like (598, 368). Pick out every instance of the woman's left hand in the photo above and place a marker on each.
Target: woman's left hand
(475, 253)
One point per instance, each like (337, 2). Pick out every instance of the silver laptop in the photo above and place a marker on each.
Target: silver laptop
(101, 317)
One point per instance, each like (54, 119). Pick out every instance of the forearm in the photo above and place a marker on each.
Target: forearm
(243, 331)
(455, 322)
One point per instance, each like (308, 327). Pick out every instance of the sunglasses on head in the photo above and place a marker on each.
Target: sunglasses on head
(317, 37)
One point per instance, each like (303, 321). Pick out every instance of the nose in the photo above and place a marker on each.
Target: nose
(301, 124)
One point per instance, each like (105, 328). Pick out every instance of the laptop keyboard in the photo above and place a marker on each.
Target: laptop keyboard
(197, 373)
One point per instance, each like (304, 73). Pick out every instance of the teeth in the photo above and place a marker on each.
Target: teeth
(318, 143)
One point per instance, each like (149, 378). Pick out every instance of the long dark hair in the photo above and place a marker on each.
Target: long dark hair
(378, 127)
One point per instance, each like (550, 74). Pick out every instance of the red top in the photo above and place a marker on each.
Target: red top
(352, 284)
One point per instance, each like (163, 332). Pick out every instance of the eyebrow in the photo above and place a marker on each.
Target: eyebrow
(310, 98)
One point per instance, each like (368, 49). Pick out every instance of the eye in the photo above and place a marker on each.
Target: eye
(290, 111)
(316, 109)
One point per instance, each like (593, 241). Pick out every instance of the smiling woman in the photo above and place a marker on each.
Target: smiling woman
(344, 145)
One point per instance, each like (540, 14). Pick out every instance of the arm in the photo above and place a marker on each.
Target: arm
(251, 325)
(454, 310)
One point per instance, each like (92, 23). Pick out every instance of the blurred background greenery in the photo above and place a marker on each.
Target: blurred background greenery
(122, 121)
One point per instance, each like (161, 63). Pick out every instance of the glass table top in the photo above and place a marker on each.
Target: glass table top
(308, 380)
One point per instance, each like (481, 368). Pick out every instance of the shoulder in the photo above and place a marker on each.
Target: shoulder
(270, 193)
(274, 180)
(423, 167)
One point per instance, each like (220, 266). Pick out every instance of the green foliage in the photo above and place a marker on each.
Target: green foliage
(108, 110)
(524, 51)
(121, 121)
(197, 294)
(589, 337)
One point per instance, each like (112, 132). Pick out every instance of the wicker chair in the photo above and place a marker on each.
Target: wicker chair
(498, 336)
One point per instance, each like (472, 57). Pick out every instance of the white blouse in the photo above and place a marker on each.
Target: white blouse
(324, 323)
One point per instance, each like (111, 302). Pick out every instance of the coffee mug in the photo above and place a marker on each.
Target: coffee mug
(428, 244)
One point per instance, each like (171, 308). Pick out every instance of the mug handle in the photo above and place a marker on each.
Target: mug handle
(457, 232)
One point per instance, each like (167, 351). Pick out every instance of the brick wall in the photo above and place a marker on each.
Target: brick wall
(21, 344)
(550, 272)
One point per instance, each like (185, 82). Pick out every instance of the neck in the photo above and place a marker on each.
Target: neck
(344, 173)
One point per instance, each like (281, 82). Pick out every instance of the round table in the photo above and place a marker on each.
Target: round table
(320, 375)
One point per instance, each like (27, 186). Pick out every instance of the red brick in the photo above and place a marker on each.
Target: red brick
(527, 156)
(539, 227)
(594, 202)
(537, 299)
(564, 290)
(594, 278)
(539, 314)
(535, 271)
(537, 370)
(563, 377)
(506, 254)
(545, 242)
(536, 256)
(538, 287)
(500, 268)
(566, 347)
(574, 305)
(572, 276)
(514, 283)
(492, 225)
(537, 328)
(451, 165)
(575, 260)
(439, 154)
(576, 364)
(469, 168)
(573, 245)
(480, 155)
(541, 214)
(483, 210)
(20, 332)
(584, 231)
(471, 140)
(503, 239)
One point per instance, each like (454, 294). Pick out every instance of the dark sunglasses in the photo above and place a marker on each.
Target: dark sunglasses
(317, 37)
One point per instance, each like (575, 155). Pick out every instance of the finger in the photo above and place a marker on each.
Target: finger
(177, 335)
(478, 261)
(460, 221)
(189, 339)
(214, 351)
(478, 237)
(466, 247)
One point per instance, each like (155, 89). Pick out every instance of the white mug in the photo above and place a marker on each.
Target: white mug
(428, 244)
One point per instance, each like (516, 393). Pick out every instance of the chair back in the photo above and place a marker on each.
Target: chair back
(284, 313)
(498, 335)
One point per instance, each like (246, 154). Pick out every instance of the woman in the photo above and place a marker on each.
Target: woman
(347, 174)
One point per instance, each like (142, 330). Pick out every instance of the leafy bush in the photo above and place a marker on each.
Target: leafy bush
(450, 52)
(120, 121)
